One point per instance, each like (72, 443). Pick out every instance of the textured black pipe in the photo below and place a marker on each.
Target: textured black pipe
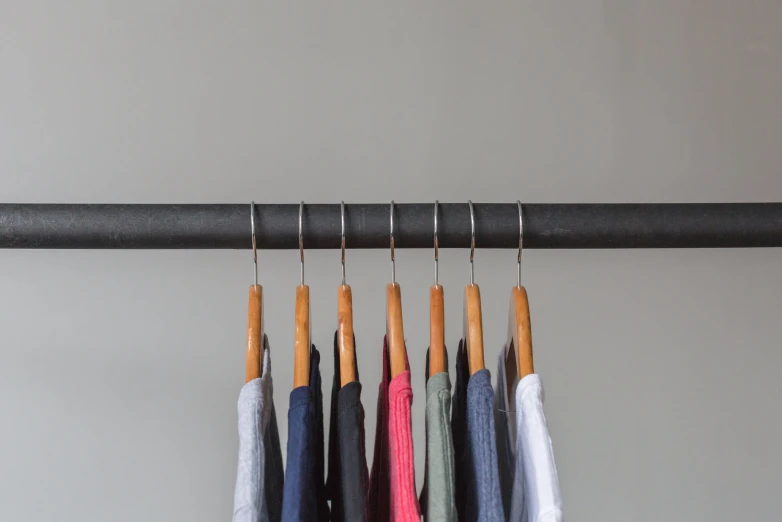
(545, 226)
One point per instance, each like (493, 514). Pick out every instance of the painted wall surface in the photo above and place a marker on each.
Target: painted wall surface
(119, 371)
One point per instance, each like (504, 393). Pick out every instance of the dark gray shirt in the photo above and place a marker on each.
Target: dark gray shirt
(505, 430)
(348, 477)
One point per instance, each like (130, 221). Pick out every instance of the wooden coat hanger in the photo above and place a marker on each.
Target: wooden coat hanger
(345, 339)
(254, 358)
(395, 333)
(437, 359)
(473, 319)
(302, 334)
(518, 345)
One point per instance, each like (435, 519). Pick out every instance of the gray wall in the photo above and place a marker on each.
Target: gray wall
(119, 371)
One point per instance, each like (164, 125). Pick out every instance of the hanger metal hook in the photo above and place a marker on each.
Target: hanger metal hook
(521, 244)
(472, 243)
(436, 246)
(252, 229)
(301, 241)
(342, 217)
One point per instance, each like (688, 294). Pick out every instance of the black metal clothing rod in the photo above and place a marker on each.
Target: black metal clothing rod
(677, 225)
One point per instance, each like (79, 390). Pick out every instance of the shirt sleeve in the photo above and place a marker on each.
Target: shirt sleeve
(250, 470)
(542, 498)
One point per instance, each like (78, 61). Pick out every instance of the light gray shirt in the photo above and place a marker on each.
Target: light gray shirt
(259, 474)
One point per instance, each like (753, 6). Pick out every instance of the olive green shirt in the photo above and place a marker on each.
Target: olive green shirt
(438, 494)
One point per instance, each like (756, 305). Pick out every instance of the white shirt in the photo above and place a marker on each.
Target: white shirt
(536, 496)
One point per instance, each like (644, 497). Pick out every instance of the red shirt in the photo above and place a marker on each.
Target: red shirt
(392, 490)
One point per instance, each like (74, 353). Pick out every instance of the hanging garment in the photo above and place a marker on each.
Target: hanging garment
(459, 432)
(379, 501)
(505, 428)
(259, 475)
(536, 496)
(478, 496)
(392, 492)
(304, 491)
(316, 385)
(438, 501)
(348, 477)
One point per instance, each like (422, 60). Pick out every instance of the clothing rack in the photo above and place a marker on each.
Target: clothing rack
(210, 226)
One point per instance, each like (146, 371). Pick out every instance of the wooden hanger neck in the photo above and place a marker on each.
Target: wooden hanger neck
(473, 328)
(395, 330)
(301, 339)
(437, 358)
(254, 357)
(518, 345)
(345, 340)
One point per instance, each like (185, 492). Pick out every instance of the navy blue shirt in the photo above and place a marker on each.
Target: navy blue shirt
(304, 496)
(475, 452)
